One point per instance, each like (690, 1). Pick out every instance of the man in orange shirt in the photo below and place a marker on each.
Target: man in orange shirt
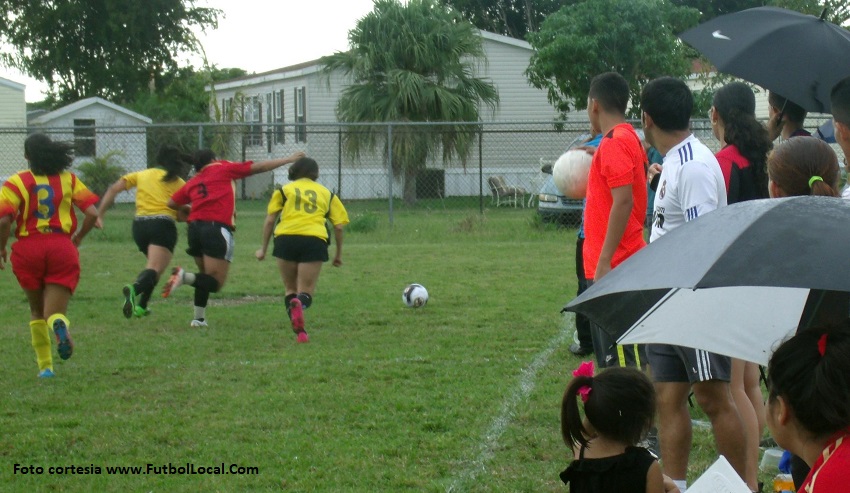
(616, 200)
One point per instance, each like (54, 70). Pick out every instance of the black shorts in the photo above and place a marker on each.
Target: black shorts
(687, 365)
(298, 248)
(154, 230)
(211, 239)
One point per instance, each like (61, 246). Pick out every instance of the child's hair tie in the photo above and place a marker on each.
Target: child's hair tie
(821, 345)
(584, 370)
(813, 179)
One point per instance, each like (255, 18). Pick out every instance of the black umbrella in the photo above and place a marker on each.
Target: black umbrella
(734, 281)
(798, 56)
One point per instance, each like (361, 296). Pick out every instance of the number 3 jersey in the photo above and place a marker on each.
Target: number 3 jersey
(303, 205)
(42, 204)
(212, 192)
(690, 186)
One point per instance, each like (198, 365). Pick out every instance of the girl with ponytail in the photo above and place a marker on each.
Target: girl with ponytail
(619, 406)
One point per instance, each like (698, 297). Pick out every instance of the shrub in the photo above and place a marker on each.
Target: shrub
(99, 173)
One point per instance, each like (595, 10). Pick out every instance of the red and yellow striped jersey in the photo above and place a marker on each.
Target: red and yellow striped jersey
(41, 204)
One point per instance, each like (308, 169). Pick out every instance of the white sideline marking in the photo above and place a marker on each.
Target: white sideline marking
(500, 423)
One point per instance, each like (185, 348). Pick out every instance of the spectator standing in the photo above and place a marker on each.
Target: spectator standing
(691, 184)
(616, 200)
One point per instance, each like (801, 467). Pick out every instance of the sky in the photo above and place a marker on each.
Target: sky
(260, 35)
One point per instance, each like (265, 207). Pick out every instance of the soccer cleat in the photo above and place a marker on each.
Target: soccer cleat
(199, 323)
(140, 312)
(303, 337)
(46, 373)
(63, 338)
(174, 282)
(296, 314)
(129, 300)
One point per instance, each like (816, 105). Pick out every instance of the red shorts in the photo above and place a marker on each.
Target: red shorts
(46, 259)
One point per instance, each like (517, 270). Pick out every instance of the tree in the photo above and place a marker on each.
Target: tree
(514, 18)
(636, 38)
(106, 48)
(838, 11)
(412, 63)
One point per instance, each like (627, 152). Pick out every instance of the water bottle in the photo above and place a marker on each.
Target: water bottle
(783, 483)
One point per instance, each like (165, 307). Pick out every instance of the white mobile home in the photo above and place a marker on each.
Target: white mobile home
(13, 120)
(302, 94)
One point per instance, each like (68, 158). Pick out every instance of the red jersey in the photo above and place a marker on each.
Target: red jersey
(42, 204)
(620, 160)
(831, 472)
(212, 192)
(739, 174)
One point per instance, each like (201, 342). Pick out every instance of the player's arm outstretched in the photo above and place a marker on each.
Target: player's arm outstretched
(88, 224)
(268, 228)
(109, 199)
(263, 166)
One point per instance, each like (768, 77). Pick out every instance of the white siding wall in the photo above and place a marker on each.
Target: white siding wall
(13, 113)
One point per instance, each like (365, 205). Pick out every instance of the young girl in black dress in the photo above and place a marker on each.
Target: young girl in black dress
(619, 406)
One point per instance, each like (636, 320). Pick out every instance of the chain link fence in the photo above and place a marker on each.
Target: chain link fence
(500, 168)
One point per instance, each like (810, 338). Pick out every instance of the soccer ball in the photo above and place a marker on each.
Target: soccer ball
(570, 173)
(414, 296)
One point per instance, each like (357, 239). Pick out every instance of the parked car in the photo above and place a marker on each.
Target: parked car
(555, 207)
(552, 205)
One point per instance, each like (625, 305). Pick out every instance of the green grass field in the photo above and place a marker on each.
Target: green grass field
(461, 395)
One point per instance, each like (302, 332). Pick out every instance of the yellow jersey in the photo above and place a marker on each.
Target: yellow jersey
(303, 205)
(152, 193)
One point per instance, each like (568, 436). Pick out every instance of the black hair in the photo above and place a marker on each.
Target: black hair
(174, 161)
(790, 109)
(620, 406)
(736, 104)
(816, 387)
(611, 91)
(202, 158)
(304, 168)
(48, 157)
(794, 162)
(669, 102)
(840, 101)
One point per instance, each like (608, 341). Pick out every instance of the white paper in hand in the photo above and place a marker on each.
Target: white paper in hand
(719, 478)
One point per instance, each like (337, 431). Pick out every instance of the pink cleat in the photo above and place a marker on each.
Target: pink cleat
(296, 314)
(303, 337)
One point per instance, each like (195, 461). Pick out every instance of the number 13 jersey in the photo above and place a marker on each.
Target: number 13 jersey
(304, 205)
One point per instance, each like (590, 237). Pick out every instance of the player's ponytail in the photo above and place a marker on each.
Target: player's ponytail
(175, 162)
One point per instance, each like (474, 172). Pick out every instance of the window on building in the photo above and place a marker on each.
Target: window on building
(84, 138)
(227, 109)
(278, 107)
(300, 114)
(253, 113)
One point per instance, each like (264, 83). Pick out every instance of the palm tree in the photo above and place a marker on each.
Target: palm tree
(412, 63)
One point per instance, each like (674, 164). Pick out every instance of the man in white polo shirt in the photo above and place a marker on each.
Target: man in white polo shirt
(691, 185)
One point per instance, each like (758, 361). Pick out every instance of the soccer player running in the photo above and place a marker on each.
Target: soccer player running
(616, 200)
(301, 237)
(44, 258)
(154, 227)
(212, 196)
(691, 184)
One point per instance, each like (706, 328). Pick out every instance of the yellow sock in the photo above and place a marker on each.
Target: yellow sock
(58, 316)
(41, 344)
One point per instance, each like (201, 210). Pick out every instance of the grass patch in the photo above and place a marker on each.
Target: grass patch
(384, 398)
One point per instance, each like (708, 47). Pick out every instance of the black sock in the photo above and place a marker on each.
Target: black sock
(306, 300)
(144, 285)
(206, 282)
(202, 296)
(286, 301)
